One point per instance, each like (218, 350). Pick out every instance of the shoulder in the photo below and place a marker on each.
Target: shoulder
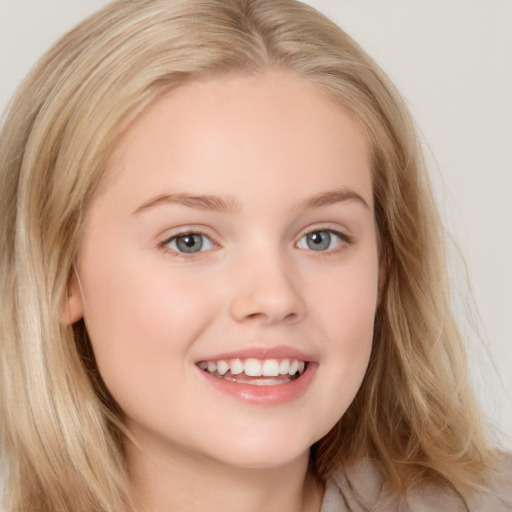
(359, 488)
(496, 495)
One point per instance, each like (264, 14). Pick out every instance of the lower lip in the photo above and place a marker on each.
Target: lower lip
(264, 395)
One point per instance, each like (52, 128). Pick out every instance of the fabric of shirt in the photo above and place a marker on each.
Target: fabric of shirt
(360, 489)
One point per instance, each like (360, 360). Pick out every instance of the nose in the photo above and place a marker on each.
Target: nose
(266, 292)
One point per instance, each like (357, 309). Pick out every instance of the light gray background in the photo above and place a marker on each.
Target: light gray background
(452, 60)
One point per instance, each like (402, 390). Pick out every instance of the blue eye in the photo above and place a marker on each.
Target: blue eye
(189, 243)
(320, 240)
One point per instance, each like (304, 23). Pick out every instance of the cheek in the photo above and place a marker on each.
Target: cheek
(346, 311)
(345, 298)
(142, 323)
(352, 313)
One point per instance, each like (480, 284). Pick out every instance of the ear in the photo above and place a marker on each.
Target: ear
(73, 306)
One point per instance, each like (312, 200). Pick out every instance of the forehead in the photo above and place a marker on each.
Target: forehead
(265, 131)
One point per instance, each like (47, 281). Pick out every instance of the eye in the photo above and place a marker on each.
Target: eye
(189, 243)
(321, 240)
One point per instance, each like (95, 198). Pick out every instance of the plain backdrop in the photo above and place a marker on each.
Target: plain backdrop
(452, 61)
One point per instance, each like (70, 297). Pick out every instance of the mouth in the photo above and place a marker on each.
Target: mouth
(255, 372)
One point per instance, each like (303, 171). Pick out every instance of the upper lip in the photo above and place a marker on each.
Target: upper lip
(277, 352)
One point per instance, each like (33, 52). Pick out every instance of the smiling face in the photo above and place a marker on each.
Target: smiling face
(234, 237)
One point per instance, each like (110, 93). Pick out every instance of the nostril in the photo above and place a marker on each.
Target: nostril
(291, 317)
(266, 318)
(262, 318)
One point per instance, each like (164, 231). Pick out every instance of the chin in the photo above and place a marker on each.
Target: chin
(261, 452)
(263, 461)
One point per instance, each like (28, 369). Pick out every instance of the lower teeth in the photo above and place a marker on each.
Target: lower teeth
(258, 381)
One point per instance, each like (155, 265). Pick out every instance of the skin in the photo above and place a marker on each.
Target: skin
(265, 144)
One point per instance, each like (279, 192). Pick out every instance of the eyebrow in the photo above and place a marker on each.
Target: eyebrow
(201, 202)
(332, 197)
(229, 205)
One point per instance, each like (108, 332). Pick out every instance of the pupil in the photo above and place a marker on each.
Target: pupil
(319, 240)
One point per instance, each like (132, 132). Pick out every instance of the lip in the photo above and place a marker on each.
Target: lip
(279, 352)
(262, 395)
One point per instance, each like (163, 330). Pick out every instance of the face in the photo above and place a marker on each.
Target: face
(229, 270)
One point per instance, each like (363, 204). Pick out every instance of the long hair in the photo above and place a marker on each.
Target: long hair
(62, 434)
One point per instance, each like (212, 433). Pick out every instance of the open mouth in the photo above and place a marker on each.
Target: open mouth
(257, 372)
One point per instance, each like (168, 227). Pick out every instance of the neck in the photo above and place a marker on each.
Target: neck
(186, 483)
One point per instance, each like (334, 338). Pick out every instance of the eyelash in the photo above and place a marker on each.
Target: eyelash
(164, 245)
(345, 240)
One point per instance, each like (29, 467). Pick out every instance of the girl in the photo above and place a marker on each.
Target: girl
(223, 283)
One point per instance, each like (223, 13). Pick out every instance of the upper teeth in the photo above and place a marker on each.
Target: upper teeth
(254, 367)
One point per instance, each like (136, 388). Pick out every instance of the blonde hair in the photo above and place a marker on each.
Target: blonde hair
(62, 436)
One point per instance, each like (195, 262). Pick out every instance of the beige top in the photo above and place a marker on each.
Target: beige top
(359, 489)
